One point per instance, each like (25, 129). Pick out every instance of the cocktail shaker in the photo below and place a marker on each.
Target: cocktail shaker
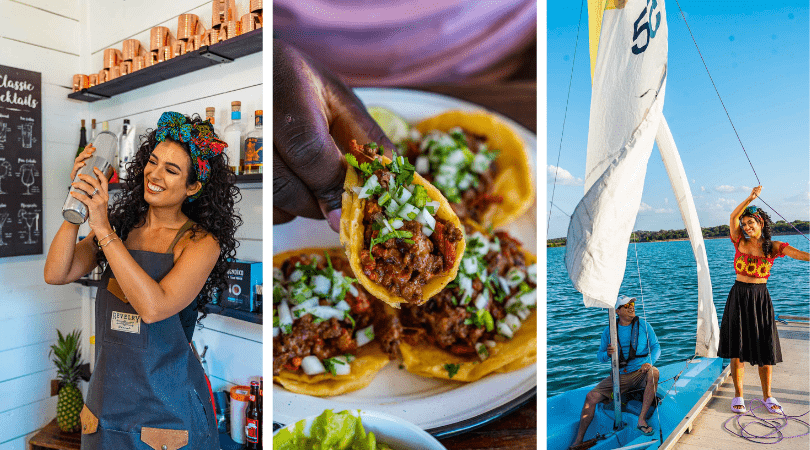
(106, 144)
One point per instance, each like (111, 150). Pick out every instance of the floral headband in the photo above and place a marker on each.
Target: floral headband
(201, 139)
(753, 211)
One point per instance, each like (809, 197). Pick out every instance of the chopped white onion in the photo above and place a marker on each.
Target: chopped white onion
(504, 285)
(296, 275)
(422, 165)
(364, 336)
(480, 163)
(426, 219)
(515, 276)
(371, 184)
(321, 284)
(504, 329)
(312, 366)
(305, 308)
(483, 300)
(466, 181)
(490, 343)
(284, 315)
(426, 231)
(278, 275)
(512, 301)
(470, 265)
(402, 196)
(327, 312)
(353, 290)
(408, 212)
(341, 369)
(396, 224)
(465, 283)
(512, 321)
(276, 331)
(529, 298)
(392, 208)
(455, 158)
(414, 134)
(482, 351)
(343, 306)
(523, 313)
(434, 205)
(531, 273)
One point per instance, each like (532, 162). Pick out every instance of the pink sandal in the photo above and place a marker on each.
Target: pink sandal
(773, 406)
(738, 405)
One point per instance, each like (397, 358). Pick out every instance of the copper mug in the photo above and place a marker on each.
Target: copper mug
(188, 26)
(132, 48)
(112, 58)
(224, 11)
(80, 82)
(103, 76)
(159, 37)
(251, 22)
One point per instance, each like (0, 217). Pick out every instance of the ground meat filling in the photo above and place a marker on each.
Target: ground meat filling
(404, 268)
(333, 337)
(441, 321)
(478, 198)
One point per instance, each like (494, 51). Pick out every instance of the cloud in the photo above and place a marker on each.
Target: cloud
(644, 207)
(664, 211)
(703, 189)
(564, 177)
(802, 197)
(666, 201)
(729, 189)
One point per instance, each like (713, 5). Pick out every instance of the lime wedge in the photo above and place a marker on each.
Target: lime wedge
(392, 125)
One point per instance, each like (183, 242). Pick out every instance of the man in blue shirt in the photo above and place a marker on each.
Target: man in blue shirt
(639, 351)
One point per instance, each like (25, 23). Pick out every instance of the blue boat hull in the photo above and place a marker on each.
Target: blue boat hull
(564, 409)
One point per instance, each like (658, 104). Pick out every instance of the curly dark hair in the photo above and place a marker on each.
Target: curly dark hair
(767, 244)
(213, 210)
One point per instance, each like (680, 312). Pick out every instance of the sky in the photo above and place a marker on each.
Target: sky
(757, 53)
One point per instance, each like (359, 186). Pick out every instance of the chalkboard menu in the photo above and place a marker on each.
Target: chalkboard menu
(20, 162)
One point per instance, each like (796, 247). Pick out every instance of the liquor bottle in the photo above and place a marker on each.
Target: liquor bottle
(252, 424)
(233, 137)
(105, 126)
(127, 148)
(253, 147)
(82, 139)
(261, 411)
(93, 131)
(210, 115)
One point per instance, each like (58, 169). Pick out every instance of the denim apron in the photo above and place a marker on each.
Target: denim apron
(148, 391)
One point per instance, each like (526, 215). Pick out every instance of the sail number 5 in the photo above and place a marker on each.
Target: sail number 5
(639, 28)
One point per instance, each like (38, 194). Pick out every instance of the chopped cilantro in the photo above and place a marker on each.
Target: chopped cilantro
(286, 328)
(452, 369)
(420, 196)
(468, 321)
(524, 288)
(276, 322)
(330, 364)
(395, 234)
(347, 316)
(369, 334)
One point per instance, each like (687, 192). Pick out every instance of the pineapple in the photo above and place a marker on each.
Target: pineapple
(68, 359)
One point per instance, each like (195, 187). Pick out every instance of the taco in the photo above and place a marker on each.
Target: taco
(329, 335)
(483, 322)
(403, 241)
(477, 162)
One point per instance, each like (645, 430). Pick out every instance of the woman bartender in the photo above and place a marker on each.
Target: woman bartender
(165, 243)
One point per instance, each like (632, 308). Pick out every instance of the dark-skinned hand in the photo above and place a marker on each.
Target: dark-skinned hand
(315, 116)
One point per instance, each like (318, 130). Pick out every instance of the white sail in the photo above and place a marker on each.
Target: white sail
(708, 333)
(629, 80)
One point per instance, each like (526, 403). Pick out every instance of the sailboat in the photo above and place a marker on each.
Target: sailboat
(628, 44)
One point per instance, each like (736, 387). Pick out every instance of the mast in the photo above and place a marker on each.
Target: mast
(614, 370)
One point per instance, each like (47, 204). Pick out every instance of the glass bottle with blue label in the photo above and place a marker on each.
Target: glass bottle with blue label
(233, 137)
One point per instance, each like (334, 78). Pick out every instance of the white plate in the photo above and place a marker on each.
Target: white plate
(394, 431)
(439, 406)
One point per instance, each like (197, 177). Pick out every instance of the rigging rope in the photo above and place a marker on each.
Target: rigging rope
(777, 426)
(565, 117)
(683, 16)
(649, 353)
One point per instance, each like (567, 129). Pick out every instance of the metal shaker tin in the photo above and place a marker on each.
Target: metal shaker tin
(106, 144)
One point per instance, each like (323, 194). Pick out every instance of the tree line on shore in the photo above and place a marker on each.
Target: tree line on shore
(777, 228)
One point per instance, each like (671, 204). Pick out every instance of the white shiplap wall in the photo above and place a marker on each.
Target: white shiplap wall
(234, 353)
(41, 36)
(60, 38)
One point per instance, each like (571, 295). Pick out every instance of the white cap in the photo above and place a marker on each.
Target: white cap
(623, 300)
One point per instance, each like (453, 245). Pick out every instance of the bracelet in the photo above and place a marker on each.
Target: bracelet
(105, 237)
(116, 238)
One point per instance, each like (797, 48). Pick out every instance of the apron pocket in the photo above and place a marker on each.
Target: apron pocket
(200, 415)
(89, 421)
(123, 326)
(159, 439)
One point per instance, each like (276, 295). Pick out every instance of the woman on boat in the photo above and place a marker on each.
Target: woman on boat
(165, 244)
(748, 330)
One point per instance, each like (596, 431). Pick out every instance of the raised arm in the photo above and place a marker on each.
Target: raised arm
(734, 221)
(68, 261)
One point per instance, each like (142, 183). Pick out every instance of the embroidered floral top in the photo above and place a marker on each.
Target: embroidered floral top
(755, 266)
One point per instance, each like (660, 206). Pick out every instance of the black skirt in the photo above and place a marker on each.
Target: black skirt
(748, 330)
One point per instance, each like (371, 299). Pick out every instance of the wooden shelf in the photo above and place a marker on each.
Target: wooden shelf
(249, 180)
(206, 56)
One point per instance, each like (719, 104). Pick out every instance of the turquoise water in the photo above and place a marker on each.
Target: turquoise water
(669, 284)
